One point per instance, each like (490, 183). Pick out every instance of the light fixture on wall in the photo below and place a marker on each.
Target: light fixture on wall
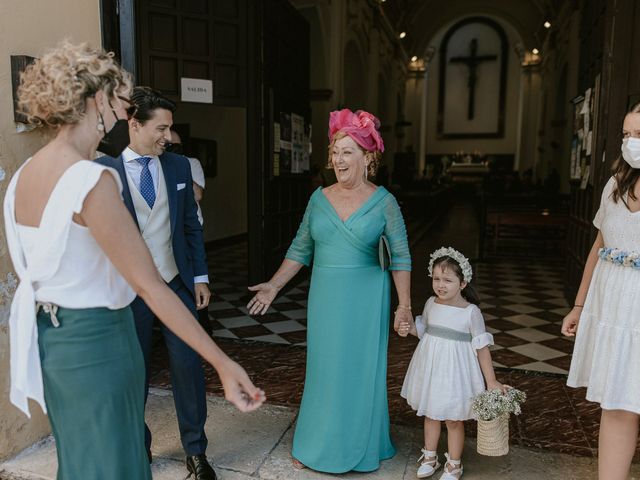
(535, 51)
(547, 24)
(414, 59)
(403, 34)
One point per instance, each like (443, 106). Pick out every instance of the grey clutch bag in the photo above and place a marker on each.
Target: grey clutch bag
(384, 253)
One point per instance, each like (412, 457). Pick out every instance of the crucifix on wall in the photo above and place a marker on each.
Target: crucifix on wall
(482, 80)
(472, 62)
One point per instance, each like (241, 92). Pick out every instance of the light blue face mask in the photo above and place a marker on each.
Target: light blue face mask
(631, 151)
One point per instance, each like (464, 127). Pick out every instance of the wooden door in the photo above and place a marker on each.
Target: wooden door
(277, 198)
(204, 39)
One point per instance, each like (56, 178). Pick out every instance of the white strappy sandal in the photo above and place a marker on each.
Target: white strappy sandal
(456, 469)
(428, 463)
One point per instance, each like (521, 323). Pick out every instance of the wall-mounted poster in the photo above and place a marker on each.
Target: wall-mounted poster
(285, 158)
(297, 137)
(574, 170)
(579, 141)
(276, 164)
(285, 143)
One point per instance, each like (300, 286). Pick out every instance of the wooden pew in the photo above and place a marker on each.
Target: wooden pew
(524, 225)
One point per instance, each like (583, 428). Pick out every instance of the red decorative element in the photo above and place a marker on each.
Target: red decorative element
(361, 126)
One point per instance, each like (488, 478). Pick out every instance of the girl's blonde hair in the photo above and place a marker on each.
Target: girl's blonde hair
(373, 157)
(53, 90)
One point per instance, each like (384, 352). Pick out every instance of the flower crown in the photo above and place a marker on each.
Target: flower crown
(465, 266)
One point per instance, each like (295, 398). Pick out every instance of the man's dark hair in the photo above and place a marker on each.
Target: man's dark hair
(146, 100)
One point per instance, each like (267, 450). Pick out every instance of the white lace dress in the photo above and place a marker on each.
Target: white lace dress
(606, 355)
(444, 374)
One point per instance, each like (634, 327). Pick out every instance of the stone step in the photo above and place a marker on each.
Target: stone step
(257, 446)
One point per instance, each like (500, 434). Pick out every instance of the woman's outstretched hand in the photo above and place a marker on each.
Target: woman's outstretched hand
(238, 388)
(570, 322)
(265, 294)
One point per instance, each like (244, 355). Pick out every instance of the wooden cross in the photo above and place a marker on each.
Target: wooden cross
(472, 62)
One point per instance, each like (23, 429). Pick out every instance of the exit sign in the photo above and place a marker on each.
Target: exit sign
(196, 90)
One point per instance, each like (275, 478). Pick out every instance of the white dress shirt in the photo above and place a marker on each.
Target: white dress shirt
(134, 168)
(197, 174)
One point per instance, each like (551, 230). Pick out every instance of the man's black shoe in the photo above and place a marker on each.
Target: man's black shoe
(200, 468)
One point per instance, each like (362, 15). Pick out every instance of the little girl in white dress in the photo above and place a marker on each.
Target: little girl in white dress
(449, 363)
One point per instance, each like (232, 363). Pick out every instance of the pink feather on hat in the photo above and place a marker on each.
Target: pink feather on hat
(361, 126)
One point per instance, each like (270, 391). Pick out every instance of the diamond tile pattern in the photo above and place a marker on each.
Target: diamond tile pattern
(285, 321)
(524, 305)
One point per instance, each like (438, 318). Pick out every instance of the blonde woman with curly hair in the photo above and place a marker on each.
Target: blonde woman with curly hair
(81, 261)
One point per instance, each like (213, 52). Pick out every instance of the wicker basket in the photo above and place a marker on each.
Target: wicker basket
(493, 436)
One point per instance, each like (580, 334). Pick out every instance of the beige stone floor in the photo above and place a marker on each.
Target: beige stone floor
(257, 445)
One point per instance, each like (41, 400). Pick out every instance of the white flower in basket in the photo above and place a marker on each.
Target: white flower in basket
(492, 409)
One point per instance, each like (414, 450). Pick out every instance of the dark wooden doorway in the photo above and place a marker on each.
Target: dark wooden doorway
(279, 77)
(608, 28)
(194, 39)
(257, 53)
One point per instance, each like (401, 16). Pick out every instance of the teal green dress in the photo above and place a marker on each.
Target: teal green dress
(343, 423)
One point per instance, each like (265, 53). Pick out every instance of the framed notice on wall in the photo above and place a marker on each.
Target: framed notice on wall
(196, 90)
(583, 143)
(578, 142)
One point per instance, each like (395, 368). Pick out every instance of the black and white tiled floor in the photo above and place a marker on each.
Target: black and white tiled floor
(523, 307)
(522, 302)
(285, 321)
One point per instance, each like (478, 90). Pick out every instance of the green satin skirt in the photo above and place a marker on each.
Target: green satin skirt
(94, 376)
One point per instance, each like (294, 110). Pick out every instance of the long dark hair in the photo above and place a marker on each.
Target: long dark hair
(626, 177)
(468, 293)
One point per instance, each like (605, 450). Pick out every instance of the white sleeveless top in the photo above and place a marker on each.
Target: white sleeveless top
(59, 263)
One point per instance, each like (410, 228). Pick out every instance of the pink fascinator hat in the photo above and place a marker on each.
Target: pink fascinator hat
(361, 126)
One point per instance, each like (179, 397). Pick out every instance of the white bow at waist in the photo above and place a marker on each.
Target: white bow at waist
(26, 372)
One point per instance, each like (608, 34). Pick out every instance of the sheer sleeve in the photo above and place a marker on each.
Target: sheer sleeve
(421, 320)
(480, 338)
(606, 193)
(396, 234)
(301, 249)
(421, 326)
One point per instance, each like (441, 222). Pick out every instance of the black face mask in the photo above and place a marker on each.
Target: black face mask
(115, 140)
(174, 148)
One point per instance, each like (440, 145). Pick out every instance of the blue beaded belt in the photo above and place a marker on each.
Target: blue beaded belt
(620, 257)
(448, 333)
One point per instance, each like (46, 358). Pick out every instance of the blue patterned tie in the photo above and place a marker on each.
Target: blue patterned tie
(147, 190)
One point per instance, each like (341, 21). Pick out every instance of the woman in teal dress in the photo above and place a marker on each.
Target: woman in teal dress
(343, 423)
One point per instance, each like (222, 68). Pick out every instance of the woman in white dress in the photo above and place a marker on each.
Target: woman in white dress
(606, 316)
